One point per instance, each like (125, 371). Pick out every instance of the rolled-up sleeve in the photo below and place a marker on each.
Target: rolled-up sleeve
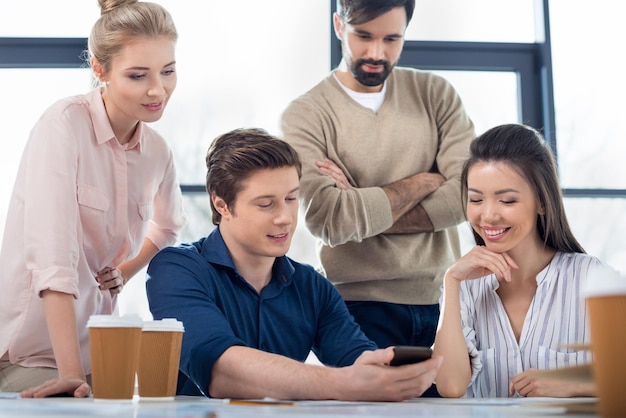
(474, 355)
(469, 333)
(50, 206)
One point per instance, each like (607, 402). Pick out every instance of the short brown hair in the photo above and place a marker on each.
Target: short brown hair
(356, 12)
(235, 155)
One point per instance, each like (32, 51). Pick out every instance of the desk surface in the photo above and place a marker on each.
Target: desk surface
(185, 407)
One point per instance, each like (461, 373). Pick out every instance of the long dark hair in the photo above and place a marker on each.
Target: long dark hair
(525, 149)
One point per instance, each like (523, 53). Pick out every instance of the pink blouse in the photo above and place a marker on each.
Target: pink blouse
(81, 202)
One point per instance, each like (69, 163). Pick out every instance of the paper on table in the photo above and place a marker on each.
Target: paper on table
(584, 406)
(264, 401)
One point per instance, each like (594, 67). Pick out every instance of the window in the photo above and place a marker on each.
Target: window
(30, 92)
(475, 21)
(234, 70)
(239, 70)
(497, 78)
(40, 18)
(589, 90)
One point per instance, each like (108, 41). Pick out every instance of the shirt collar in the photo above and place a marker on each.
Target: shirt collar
(214, 250)
(102, 125)
(137, 139)
(351, 92)
(549, 271)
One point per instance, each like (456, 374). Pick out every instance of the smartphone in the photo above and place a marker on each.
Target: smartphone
(408, 354)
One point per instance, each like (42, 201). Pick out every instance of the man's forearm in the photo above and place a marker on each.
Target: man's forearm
(415, 221)
(404, 195)
(243, 372)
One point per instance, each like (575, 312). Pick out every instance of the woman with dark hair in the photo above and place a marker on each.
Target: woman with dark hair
(512, 304)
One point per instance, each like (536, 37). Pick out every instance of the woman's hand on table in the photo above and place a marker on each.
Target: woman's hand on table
(530, 385)
(72, 386)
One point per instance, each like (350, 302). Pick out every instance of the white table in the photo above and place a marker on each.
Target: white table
(184, 407)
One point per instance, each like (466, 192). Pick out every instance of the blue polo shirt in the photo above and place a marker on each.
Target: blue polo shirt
(298, 311)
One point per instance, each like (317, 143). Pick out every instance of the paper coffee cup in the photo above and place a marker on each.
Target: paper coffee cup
(605, 292)
(114, 347)
(159, 357)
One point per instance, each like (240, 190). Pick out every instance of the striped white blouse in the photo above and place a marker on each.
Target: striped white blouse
(556, 316)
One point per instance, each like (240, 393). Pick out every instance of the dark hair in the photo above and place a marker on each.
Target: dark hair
(526, 151)
(234, 156)
(356, 12)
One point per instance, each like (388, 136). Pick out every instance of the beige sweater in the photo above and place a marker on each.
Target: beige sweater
(421, 124)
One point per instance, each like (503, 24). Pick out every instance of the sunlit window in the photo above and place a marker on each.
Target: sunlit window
(42, 18)
(475, 21)
(589, 91)
(240, 63)
(20, 110)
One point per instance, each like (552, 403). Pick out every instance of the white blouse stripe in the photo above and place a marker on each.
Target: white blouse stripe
(556, 316)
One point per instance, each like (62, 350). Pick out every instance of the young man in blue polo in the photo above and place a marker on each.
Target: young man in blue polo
(251, 314)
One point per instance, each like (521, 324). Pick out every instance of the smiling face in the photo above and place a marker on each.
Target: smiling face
(370, 50)
(139, 84)
(259, 225)
(502, 207)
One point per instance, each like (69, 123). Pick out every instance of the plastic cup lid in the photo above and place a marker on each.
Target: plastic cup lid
(114, 321)
(165, 324)
(604, 281)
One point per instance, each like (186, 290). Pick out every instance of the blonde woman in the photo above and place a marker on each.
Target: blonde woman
(96, 197)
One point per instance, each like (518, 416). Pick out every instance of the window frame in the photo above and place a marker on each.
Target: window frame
(54, 53)
(531, 62)
(42, 52)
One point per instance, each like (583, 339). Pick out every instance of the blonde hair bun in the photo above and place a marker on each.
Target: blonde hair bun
(108, 5)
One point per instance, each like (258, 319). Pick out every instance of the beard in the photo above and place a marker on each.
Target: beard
(367, 78)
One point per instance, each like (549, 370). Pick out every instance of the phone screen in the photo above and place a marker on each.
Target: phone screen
(405, 354)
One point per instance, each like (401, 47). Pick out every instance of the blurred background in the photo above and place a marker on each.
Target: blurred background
(553, 64)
